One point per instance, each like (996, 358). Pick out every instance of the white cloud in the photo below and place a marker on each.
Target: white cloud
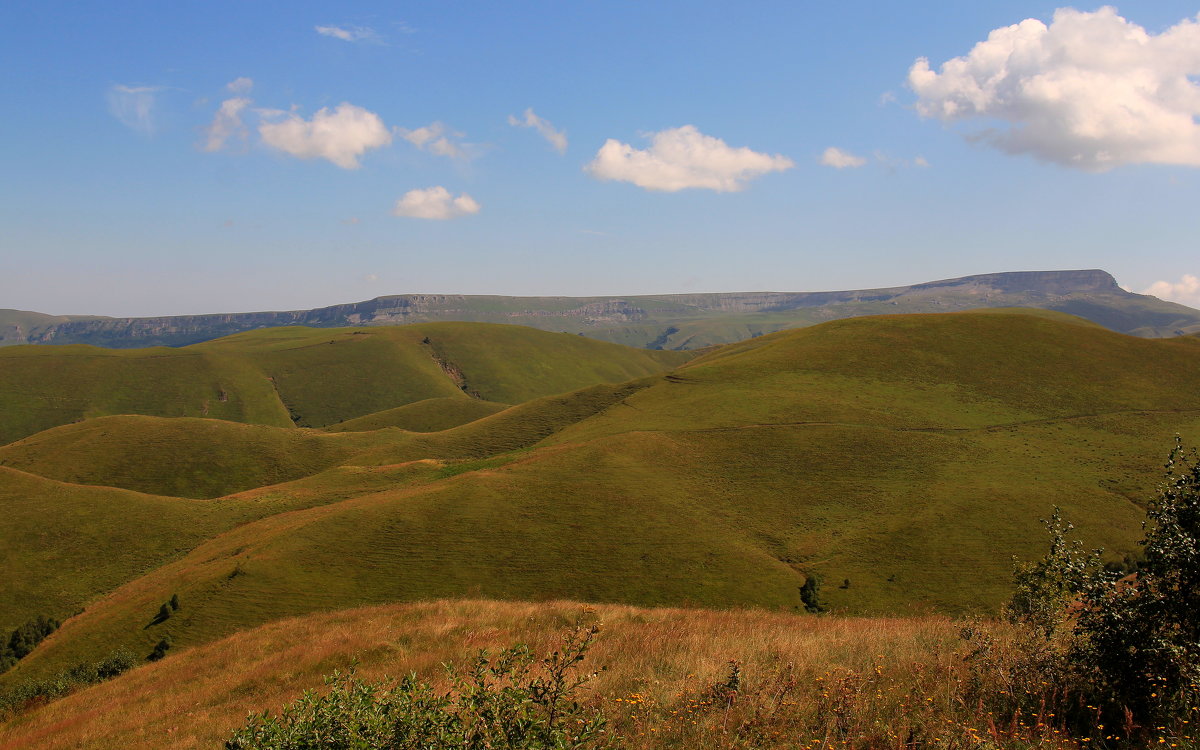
(839, 159)
(241, 85)
(921, 161)
(341, 135)
(349, 33)
(227, 122)
(1186, 291)
(434, 203)
(435, 139)
(680, 158)
(134, 106)
(556, 138)
(1091, 90)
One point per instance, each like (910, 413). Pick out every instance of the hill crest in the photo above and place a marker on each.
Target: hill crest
(664, 321)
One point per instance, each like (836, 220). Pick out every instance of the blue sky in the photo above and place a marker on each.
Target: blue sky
(173, 158)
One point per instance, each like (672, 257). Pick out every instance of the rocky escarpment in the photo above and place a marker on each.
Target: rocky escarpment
(648, 320)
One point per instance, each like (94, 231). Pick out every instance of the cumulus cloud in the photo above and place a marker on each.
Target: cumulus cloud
(434, 203)
(241, 85)
(340, 135)
(349, 33)
(227, 123)
(839, 159)
(1186, 291)
(556, 138)
(1091, 90)
(680, 158)
(134, 106)
(436, 139)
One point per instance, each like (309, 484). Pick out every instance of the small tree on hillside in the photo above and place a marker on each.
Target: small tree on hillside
(810, 593)
(1131, 641)
(1141, 633)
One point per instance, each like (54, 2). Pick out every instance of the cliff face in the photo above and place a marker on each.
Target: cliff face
(644, 320)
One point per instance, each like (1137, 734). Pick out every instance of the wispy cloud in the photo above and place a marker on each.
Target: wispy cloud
(340, 135)
(681, 158)
(556, 138)
(241, 85)
(350, 33)
(839, 159)
(226, 123)
(134, 106)
(437, 139)
(1186, 291)
(435, 203)
(1091, 90)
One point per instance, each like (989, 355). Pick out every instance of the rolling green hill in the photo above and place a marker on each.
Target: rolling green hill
(303, 377)
(181, 457)
(901, 459)
(430, 415)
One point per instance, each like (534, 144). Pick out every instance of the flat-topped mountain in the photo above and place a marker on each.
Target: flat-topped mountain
(667, 321)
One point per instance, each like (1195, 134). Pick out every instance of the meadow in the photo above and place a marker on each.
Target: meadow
(889, 467)
(664, 678)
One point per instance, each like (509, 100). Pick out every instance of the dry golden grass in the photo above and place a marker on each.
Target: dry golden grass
(806, 681)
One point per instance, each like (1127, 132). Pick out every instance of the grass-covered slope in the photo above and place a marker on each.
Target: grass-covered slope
(658, 665)
(306, 377)
(181, 457)
(63, 544)
(430, 415)
(903, 460)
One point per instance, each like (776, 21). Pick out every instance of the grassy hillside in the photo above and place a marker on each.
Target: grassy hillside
(64, 544)
(304, 377)
(430, 415)
(903, 460)
(803, 682)
(182, 457)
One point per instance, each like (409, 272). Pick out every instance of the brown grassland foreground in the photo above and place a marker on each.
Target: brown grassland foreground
(668, 679)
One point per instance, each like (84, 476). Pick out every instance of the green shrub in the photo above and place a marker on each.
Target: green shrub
(160, 649)
(1126, 644)
(25, 638)
(1139, 639)
(34, 691)
(810, 593)
(512, 700)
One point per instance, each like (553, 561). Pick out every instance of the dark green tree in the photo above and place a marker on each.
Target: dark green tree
(810, 593)
(1129, 642)
(1140, 633)
(160, 649)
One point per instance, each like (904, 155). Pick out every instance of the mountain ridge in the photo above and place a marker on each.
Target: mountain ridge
(662, 321)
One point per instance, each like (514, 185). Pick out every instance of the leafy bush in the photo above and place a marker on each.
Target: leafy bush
(160, 649)
(1127, 643)
(32, 692)
(1140, 635)
(512, 701)
(24, 639)
(810, 593)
